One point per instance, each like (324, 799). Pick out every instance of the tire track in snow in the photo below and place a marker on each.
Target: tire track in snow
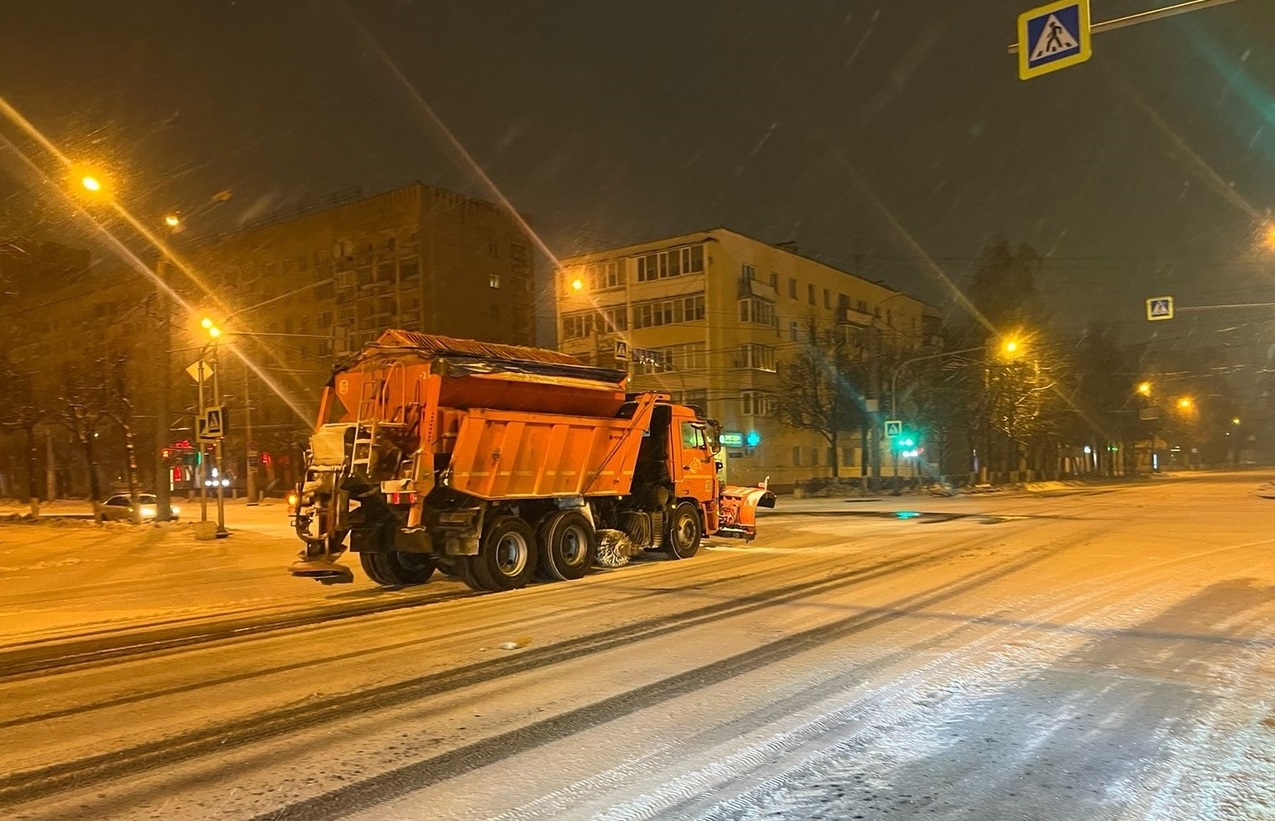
(400, 781)
(32, 784)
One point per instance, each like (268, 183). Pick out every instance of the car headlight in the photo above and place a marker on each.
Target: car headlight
(148, 511)
(175, 509)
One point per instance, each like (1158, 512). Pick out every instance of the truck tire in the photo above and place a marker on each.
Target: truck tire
(684, 532)
(506, 557)
(568, 545)
(396, 568)
(467, 569)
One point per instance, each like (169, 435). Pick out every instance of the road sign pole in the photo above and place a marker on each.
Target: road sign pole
(200, 469)
(221, 467)
(1146, 17)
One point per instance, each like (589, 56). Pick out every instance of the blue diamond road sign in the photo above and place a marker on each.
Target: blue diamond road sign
(1053, 37)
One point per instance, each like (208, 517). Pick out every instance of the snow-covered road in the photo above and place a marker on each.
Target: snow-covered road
(1102, 654)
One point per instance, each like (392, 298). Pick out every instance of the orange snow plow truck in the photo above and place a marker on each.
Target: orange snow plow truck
(498, 463)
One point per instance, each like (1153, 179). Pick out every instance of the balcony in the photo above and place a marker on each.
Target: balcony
(855, 317)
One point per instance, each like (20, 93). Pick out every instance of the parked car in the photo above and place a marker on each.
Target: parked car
(120, 507)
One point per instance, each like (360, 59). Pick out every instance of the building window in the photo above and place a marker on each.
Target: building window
(668, 311)
(774, 281)
(749, 272)
(792, 287)
(814, 457)
(518, 253)
(863, 306)
(889, 317)
(758, 311)
(325, 319)
(757, 403)
(796, 456)
(494, 280)
(603, 275)
(493, 248)
(827, 298)
(664, 264)
(577, 326)
(615, 319)
(647, 360)
(697, 397)
(810, 294)
(756, 357)
(794, 331)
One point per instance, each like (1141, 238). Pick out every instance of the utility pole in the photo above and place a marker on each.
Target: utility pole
(218, 448)
(163, 492)
(874, 387)
(201, 472)
(250, 452)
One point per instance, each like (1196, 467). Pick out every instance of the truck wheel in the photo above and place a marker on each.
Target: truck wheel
(568, 545)
(467, 568)
(685, 532)
(374, 568)
(507, 555)
(396, 568)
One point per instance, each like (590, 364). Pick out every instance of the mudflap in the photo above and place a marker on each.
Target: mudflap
(739, 510)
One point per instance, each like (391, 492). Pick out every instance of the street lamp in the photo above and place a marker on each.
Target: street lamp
(1185, 403)
(214, 334)
(1144, 388)
(172, 220)
(91, 183)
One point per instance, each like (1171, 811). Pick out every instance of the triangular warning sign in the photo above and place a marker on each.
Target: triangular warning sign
(1054, 38)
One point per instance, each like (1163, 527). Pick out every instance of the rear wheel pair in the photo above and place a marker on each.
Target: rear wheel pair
(510, 553)
(506, 557)
(396, 567)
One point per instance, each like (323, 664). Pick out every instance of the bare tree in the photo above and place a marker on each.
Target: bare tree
(82, 410)
(821, 386)
(19, 411)
(118, 407)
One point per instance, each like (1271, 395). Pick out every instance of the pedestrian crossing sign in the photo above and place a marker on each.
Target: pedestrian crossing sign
(1053, 37)
(1160, 307)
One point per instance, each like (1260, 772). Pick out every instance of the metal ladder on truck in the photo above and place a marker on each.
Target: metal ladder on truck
(373, 394)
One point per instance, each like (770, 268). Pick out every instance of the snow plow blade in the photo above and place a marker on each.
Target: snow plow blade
(322, 571)
(739, 510)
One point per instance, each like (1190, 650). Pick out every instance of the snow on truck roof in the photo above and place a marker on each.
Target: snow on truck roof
(496, 355)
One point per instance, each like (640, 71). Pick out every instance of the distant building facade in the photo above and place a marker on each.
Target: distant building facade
(294, 293)
(710, 317)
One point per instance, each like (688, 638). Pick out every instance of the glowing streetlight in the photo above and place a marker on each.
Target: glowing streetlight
(91, 183)
(577, 284)
(1235, 421)
(172, 220)
(1144, 388)
(207, 325)
(1185, 403)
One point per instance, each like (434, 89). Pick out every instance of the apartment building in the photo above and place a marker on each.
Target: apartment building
(293, 291)
(710, 317)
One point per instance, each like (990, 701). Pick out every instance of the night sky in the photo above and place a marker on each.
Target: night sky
(865, 131)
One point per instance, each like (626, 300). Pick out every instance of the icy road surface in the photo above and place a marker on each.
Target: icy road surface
(1075, 655)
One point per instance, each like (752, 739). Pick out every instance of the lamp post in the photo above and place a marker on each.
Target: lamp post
(219, 478)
